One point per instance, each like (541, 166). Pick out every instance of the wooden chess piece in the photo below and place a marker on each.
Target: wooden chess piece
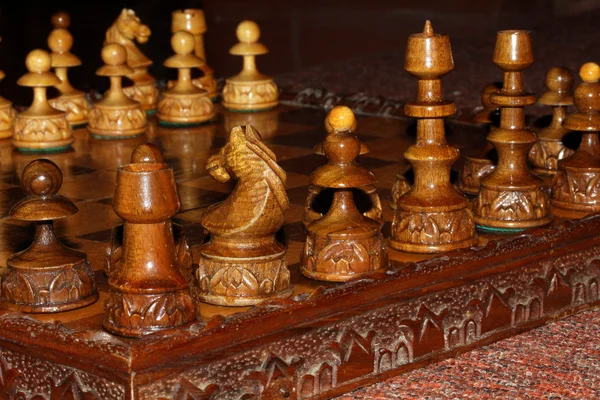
(150, 288)
(512, 198)
(549, 148)
(125, 31)
(71, 101)
(432, 217)
(184, 103)
(192, 20)
(344, 243)
(41, 128)
(47, 276)
(487, 112)
(7, 115)
(576, 186)
(116, 116)
(243, 263)
(249, 90)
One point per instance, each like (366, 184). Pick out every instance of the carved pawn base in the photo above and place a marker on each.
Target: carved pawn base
(242, 281)
(144, 93)
(340, 257)
(136, 315)
(400, 188)
(545, 153)
(7, 115)
(49, 289)
(577, 189)
(244, 96)
(509, 210)
(473, 171)
(42, 133)
(432, 232)
(117, 123)
(208, 83)
(75, 106)
(185, 109)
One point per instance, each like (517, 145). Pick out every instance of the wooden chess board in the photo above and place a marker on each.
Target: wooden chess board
(328, 338)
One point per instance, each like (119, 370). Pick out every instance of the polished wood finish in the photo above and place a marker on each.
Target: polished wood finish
(192, 20)
(549, 148)
(116, 116)
(249, 90)
(126, 30)
(48, 276)
(344, 243)
(432, 217)
(71, 101)
(242, 263)
(41, 128)
(512, 197)
(184, 103)
(150, 278)
(575, 187)
(488, 112)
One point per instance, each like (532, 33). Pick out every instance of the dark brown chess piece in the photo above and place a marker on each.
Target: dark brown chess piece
(511, 197)
(432, 216)
(549, 148)
(47, 276)
(487, 111)
(150, 287)
(243, 263)
(576, 186)
(344, 243)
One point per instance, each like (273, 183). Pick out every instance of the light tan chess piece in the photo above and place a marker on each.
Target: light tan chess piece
(192, 20)
(344, 243)
(7, 115)
(125, 31)
(41, 128)
(549, 148)
(71, 100)
(249, 90)
(243, 263)
(576, 185)
(184, 103)
(116, 116)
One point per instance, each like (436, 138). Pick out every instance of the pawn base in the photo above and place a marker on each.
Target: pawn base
(472, 172)
(75, 106)
(576, 189)
(185, 109)
(42, 133)
(545, 154)
(110, 122)
(144, 93)
(250, 96)
(7, 115)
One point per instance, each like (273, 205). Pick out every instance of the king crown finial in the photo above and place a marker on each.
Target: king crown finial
(428, 29)
(590, 72)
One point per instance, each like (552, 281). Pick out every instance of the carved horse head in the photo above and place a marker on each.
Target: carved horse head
(127, 29)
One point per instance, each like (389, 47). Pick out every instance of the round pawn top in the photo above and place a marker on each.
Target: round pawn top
(42, 178)
(61, 20)
(38, 61)
(147, 153)
(248, 32)
(183, 43)
(590, 72)
(114, 54)
(340, 118)
(559, 79)
(60, 41)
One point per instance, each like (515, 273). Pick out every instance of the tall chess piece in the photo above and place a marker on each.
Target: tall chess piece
(549, 148)
(71, 101)
(432, 217)
(576, 186)
(125, 31)
(249, 90)
(512, 198)
(344, 243)
(41, 128)
(184, 103)
(7, 115)
(47, 276)
(116, 116)
(192, 20)
(150, 287)
(243, 263)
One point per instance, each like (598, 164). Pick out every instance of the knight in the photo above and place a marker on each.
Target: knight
(242, 263)
(127, 30)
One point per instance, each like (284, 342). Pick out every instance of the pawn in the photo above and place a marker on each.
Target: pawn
(150, 286)
(47, 276)
(488, 112)
(7, 115)
(71, 100)
(184, 103)
(549, 148)
(576, 185)
(249, 90)
(41, 128)
(116, 116)
(344, 243)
